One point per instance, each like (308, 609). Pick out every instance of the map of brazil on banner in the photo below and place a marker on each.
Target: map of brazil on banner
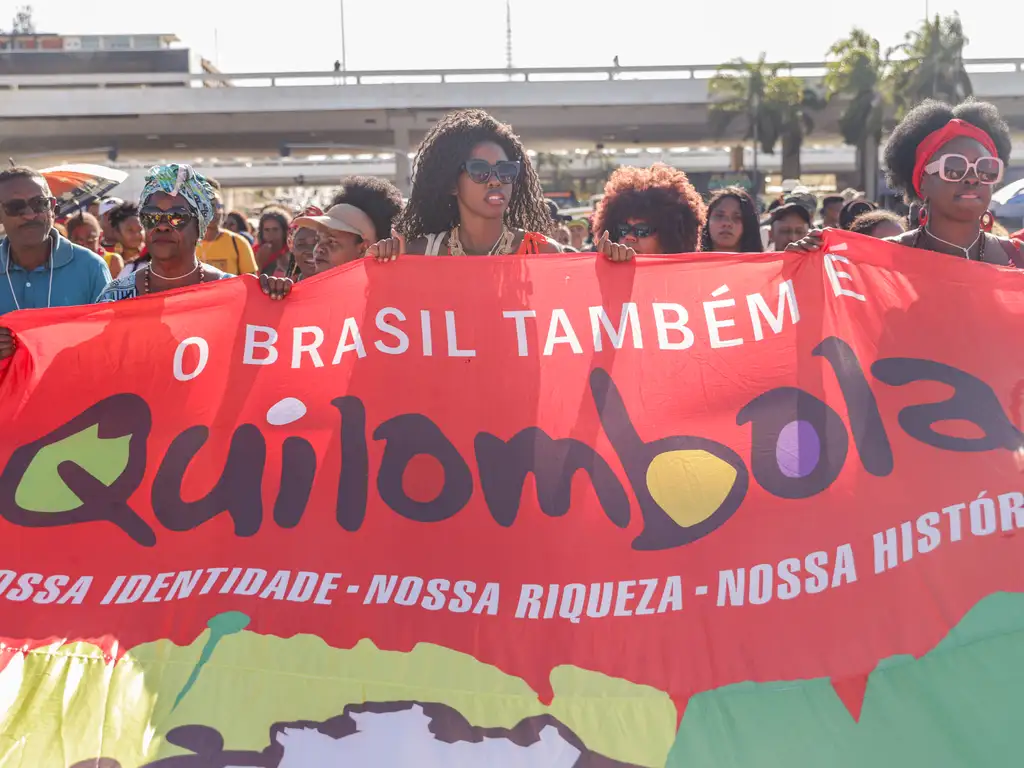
(706, 510)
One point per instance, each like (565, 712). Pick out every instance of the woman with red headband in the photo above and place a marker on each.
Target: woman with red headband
(949, 159)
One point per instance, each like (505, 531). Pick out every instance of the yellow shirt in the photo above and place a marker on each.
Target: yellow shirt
(229, 253)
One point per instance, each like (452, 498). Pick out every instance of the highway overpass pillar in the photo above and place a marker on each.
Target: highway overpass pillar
(403, 166)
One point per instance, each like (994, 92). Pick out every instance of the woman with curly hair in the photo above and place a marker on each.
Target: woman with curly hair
(732, 225)
(949, 159)
(272, 235)
(474, 193)
(649, 211)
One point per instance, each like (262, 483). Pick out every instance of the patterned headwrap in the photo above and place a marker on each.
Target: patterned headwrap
(175, 179)
(310, 210)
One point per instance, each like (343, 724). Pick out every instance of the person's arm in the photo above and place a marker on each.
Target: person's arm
(116, 265)
(100, 279)
(246, 258)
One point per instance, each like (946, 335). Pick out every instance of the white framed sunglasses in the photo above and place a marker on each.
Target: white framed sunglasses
(952, 167)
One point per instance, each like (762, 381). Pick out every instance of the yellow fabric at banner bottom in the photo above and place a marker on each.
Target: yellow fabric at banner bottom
(64, 705)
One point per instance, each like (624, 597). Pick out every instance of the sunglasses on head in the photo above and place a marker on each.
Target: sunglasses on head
(951, 167)
(639, 231)
(39, 204)
(480, 171)
(173, 219)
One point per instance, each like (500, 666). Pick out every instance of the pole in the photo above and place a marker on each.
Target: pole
(508, 34)
(756, 120)
(344, 64)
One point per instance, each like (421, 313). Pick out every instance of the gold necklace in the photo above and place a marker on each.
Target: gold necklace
(502, 246)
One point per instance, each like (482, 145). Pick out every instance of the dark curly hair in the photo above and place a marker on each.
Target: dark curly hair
(930, 116)
(277, 214)
(121, 214)
(377, 198)
(750, 240)
(431, 208)
(240, 221)
(660, 195)
(865, 223)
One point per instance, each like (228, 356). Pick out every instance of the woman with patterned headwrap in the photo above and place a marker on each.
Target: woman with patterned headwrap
(176, 207)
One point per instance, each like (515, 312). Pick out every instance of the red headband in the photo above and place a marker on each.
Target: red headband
(935, 140)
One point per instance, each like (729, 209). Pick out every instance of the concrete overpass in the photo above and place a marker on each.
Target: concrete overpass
(317, 113)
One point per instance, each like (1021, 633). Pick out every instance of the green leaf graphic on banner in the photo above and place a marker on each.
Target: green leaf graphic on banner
(42, 489)
(221, 625)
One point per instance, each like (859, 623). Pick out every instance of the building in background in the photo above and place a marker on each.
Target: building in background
(52, 54)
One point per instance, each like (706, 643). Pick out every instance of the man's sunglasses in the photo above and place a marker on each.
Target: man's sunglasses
(35, 205)
(174, 219)
(950, 167)
(480, 171)
(639, 231)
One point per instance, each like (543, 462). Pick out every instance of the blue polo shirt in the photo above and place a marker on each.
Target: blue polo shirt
(79, 276)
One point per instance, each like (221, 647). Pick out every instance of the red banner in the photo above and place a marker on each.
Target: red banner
(683, 472)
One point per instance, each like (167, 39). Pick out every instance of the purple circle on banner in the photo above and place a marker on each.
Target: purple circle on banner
(798, 449)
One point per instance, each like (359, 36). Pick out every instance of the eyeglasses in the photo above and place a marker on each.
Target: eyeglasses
(639, 231)
(35, 204)
(988, 170)
(174, 219)
(480, 171)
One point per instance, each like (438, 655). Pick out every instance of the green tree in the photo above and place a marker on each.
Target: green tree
(930, 64)
(859, 73)
(771, 107)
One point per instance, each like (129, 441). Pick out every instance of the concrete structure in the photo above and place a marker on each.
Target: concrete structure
(302, 113)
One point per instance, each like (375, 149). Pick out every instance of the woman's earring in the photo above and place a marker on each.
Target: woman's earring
(923, 216)
(987, 221)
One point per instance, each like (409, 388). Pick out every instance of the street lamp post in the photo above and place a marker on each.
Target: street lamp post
(344, 64)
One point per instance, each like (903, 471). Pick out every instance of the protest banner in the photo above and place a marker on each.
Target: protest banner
(551, 511)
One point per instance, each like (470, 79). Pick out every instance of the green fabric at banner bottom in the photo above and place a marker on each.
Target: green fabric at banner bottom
(957, 707)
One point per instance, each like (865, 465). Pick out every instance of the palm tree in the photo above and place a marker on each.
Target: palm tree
(931, 64)
(860, 74)
(772, 107)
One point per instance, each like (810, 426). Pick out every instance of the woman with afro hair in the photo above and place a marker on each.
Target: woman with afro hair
(949, 159)
(474, 193)
(649, 211)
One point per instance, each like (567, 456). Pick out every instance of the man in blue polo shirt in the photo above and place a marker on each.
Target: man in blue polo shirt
(40, 268)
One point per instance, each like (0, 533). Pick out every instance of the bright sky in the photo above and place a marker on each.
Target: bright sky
(301, 35)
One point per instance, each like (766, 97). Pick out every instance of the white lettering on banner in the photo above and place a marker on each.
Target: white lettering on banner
(299, 345)
(985, 516)
(520, 315)
(787, 579)
(179, 358)
(759, 309)
(453, 341)
(349, 330)
(252, 343)
(560, 331)
(384, 326)
(428, 338)
(574, 602)
(715, 324)
(679, 324)
(834, 276)
(630, 317)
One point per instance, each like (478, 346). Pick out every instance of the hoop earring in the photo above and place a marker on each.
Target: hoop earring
(922, 217)
(987, 221)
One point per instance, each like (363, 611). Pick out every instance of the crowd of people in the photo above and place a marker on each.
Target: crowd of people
(475, 192)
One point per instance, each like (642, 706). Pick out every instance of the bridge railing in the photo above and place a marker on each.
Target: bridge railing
(388, 77)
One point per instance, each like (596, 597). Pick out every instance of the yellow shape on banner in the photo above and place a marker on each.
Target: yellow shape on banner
(690, 485)
(42, 490)
(63, 705)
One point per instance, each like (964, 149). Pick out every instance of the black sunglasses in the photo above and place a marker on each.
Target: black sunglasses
(638, 231)
(480, 171)
(36, 205)
(173, 219)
